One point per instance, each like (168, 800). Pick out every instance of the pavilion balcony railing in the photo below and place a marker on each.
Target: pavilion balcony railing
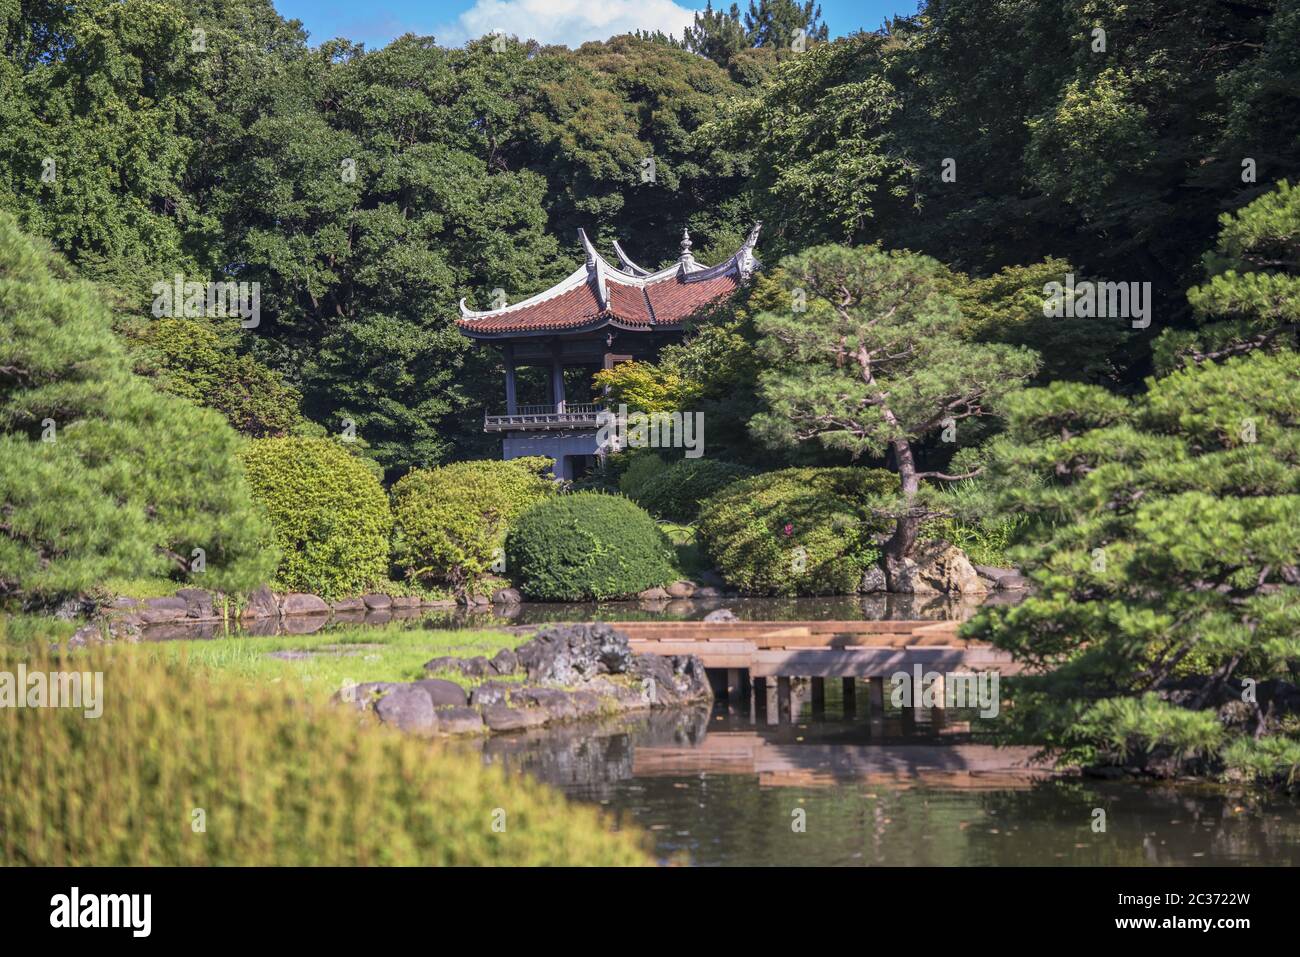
(570, 415)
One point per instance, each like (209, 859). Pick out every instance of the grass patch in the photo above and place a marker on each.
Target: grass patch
(393, 652)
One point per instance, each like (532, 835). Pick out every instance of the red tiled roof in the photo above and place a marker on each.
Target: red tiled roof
(663, 303)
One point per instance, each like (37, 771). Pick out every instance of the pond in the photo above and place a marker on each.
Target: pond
(836, 608)
(718, 787)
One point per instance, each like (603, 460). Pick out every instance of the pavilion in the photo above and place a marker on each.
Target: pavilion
(598, 316)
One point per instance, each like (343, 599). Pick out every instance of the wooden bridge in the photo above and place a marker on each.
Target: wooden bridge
(748, 653)
(821, 649)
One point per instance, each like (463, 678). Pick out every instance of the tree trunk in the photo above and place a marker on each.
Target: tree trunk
(900, 545)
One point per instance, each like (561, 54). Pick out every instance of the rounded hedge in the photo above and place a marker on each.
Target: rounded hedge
(450, 523)
(800, 531)
(329, 513)
(587, 545)
(676, 490)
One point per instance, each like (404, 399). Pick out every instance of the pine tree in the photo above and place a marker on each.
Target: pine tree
(101, 476)
(871, 358)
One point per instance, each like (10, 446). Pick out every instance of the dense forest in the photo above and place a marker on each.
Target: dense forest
(927, 182)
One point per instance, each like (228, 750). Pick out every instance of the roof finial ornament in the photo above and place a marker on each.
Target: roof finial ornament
(686, 243)
(746, 262)
(595, 274)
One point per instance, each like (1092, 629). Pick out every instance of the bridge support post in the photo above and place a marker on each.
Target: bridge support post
(850, 696)
(783, 699)
(818, 697)
(734, 689)
(939, 713)
(876, 704)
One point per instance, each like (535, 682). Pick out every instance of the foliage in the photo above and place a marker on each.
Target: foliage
(587, 545)
(1163, 536)
(1252, 298)
(675, 490)
(99, 474)
(330, 514)
(450, 523)
(266, 770)
(797, 531)
(870, 356)
(199, 361)
(643, 387)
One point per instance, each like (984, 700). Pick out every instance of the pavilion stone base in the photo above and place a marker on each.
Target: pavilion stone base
(572, 451)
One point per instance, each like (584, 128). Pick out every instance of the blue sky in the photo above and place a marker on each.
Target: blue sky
(377, 22)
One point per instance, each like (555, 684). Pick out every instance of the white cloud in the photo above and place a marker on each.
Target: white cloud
(571, 22)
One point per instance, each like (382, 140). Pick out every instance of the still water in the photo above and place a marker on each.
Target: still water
(720, 787)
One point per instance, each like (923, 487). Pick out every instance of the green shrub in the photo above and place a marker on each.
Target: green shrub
(639, 469)
(100, 475)
(587, 545)
(802, 531)
(675, 491)
(280, 781)
(329, 512)
(450, 523)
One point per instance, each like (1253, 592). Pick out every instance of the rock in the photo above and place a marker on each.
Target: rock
(490, 692)
(474, 601)
(459, 721)
(348, 606)
(377, 602)
(681, 589)
(163, 609)
(994, 573)
(408, 708)
(571, 654)
(476, 667)
(654, 594)
(405, 601)
(507, 596)
(873, 580)
(707, 591)
(504, 662)
(937, 568)
(86, 635)
(1013, 583)
(672, 680)
(198, 602)
(261, 604)
(721, 614)
(502, 717)
(558, 705)
(297, 603)
(438, 603)
(442, 693)
(362, 696)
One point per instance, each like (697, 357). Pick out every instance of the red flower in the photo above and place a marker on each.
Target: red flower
(789, 529)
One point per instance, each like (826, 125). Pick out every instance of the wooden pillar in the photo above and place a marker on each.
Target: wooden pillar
(760, 695)
(557, 378)
(939, 714)
(876, 704)
(850, 697)
(512, 403)
(818, 697)
(734, 689)
(783, 698)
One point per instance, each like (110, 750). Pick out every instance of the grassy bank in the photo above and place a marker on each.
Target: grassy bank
(186, 766)
(331, 659)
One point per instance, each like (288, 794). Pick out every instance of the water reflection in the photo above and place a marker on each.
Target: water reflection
(721, 787)
(841, 608)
